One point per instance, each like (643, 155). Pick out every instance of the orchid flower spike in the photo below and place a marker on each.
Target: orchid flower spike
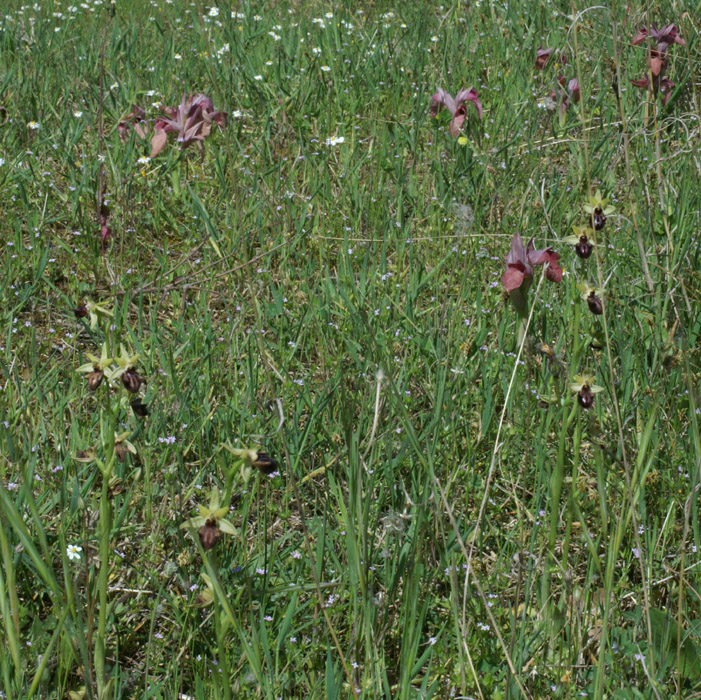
(519, 270)
(456, 106)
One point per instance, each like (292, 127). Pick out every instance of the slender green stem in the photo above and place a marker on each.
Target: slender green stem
(573, 487)
(220, 632)
(108, 427)
(100, 643)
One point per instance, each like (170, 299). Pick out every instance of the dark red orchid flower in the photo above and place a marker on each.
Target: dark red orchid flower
(541, 57)
(105, 230)
(520, 262)
(662, 37)
(456, 106)
(657, 59)
(565, 91)
(519, 269)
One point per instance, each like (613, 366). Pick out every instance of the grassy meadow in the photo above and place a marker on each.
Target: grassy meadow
(279, 418)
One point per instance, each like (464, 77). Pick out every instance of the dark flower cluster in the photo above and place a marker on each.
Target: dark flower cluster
(656, 77)
(192, 121)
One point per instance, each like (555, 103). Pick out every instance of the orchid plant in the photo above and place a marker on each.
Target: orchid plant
(593, 297)
(598, 209)
(519, 274)
(192, 121)
(113, 383)
(542, 56)
(457, 107)
(565, 92)
(662, 39)
(585, 388)
(210, 523)
(519, 270)
(583, 241)
(136, 120)
(656, 79)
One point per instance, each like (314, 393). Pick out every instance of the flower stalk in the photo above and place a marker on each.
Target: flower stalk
(112, 379)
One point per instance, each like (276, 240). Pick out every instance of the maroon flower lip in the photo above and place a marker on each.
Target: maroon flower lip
(583, 247)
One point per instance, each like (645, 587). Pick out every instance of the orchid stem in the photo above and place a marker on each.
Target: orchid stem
(109, 424)
(570, 501)
(221, 643)
(522, 326)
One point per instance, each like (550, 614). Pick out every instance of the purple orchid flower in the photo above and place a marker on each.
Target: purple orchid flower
(457, 107)
(662, 38)
(192, 121)
(519, 270)
(541, 57)
(571, 92)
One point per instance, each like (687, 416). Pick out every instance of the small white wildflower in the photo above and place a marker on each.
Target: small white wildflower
(334, 140)
(33, 125)
(326, 69)
(77, 114)
(144, 160)
(214, 12)
(73, 552)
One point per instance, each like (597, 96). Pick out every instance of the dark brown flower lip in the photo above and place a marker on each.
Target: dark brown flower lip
(132, 381)
(81, 311)
(583, 247)
(265, 464)
(139, 408)
(95, 379)
(595, 304)
(209, 534)
(584, 397)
